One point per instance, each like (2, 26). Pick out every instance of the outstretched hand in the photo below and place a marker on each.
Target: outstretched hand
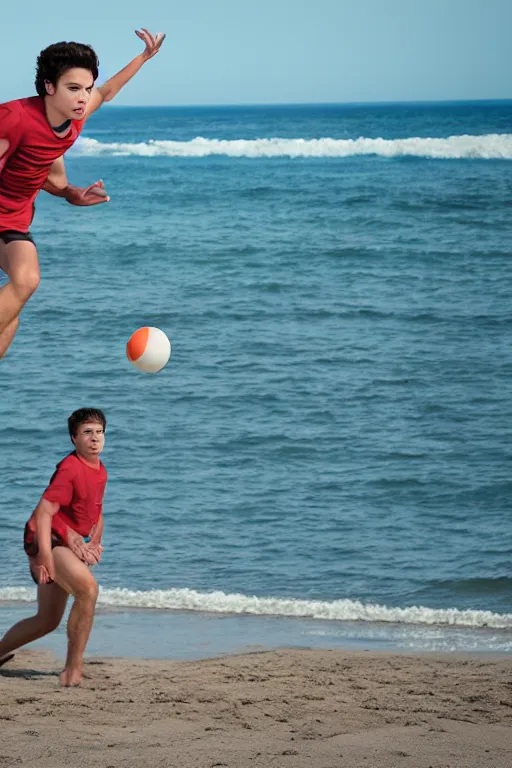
(152, 43)
(92, 195)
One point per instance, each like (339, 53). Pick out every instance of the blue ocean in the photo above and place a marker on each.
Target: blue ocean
(326, 459)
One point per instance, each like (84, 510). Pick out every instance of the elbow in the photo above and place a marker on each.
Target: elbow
(45, 509)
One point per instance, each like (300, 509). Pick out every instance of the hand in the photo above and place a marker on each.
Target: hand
(91, 555)
(94, 547)
(94, 551)
(44, 568)
(153, 44)
(92, 195)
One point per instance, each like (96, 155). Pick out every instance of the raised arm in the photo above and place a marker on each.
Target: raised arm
(111, 88)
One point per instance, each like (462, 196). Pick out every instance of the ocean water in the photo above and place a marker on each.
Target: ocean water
(331, 440)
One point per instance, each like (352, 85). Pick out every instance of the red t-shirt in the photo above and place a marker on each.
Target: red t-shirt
(78, 488)
(33, 147)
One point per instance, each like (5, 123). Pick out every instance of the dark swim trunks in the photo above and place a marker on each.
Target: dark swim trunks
(31, 548)
(12, 235)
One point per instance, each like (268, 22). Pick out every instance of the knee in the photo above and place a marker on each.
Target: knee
(48, 622)
(88, 590)
(26, 283)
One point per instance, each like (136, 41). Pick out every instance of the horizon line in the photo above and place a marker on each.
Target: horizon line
(229, 105)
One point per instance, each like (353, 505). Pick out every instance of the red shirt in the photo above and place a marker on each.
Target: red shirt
(33, 147)
(78, 488)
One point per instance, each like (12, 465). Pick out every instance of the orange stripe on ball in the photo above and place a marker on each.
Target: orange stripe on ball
(137, 344)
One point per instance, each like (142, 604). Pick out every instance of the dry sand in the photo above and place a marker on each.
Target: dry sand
(297, 708)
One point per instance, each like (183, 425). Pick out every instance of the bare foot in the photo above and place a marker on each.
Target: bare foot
(71, 677)
(6, 658)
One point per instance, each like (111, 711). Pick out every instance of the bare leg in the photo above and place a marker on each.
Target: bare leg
(7, 336)
(20, 263)
(76, 579)
(51, 606)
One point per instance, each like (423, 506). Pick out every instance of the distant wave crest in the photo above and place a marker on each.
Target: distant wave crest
(489, 147)
(335, 610)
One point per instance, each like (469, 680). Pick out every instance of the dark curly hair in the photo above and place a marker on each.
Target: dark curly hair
(58, 58)
(82, 416)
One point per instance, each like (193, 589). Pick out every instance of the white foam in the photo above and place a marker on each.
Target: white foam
(491, 146)
(335, 610)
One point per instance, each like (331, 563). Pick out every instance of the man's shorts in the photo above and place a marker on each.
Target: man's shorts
(31, 548)
(11, 236)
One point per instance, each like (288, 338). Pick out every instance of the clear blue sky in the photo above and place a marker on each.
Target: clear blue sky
(268, 51)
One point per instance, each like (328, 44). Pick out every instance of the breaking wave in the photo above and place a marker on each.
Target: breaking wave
(488, 147)
(335, 610)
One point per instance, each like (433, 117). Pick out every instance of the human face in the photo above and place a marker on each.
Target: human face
(89, 440)
(70, 96)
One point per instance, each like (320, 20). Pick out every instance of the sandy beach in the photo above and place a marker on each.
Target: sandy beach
(297, 708)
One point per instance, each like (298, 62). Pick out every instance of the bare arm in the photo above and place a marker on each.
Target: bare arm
(11, 130)
(57, 184)
(57, 180)
(97, 532)
(43, 514)
(111, 88)
(94, 548)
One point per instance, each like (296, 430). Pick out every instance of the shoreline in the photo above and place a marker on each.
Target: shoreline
(194, 635)
(292, 707)
(166, 634)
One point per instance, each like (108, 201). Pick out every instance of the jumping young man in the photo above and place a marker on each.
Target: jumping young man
(35, 133)
(69, 511)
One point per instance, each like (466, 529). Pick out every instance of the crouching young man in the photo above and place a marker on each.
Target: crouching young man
(69, 511)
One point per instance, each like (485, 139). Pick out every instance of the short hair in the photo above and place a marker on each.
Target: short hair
(58, 58)
(83, 415)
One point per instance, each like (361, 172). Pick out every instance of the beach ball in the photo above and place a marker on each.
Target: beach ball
(148, 349)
